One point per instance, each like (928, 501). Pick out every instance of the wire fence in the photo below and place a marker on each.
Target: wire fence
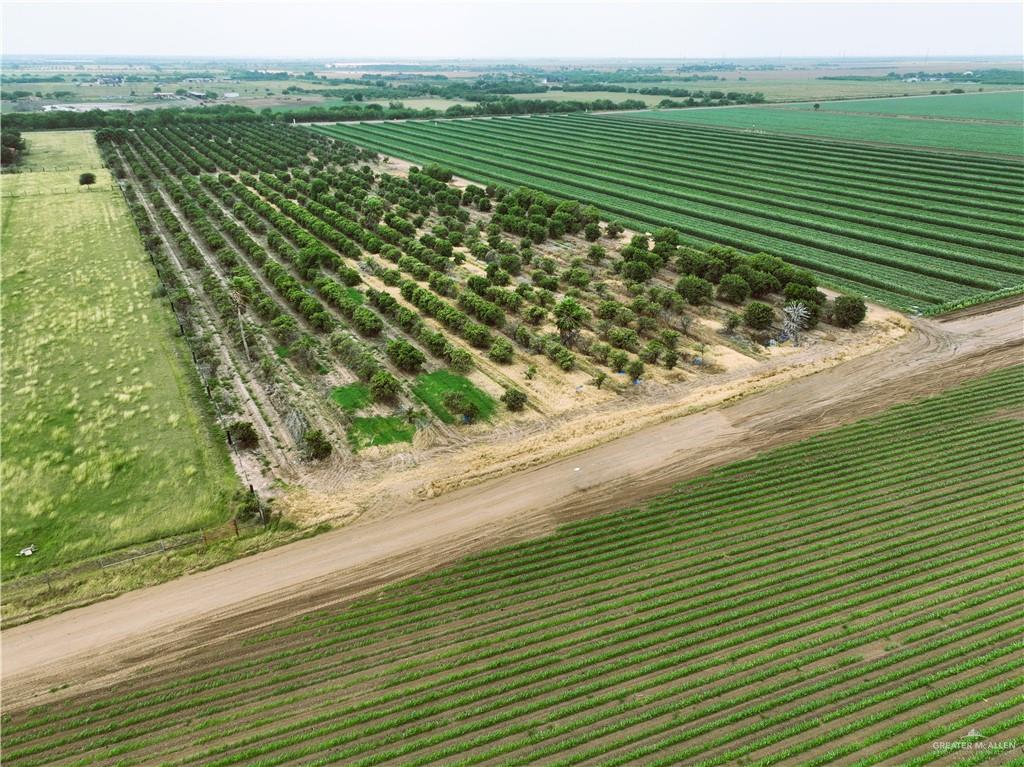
(48, 192)
(18, 170)
(54, 576)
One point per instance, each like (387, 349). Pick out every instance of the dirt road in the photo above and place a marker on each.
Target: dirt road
(94, 645)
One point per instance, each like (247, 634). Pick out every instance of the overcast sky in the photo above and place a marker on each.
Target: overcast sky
(489, 28)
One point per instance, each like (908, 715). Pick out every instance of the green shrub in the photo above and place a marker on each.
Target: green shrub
(848, 311)
(514, 399)
(317, 445)
(758, 316)
(695, 290)
(501, 351)
(733, 289)
(243, 435)
(806, 295)
(384, 387)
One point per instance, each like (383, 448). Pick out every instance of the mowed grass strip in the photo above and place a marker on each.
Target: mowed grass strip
(106, 442)
(375, 431)
(431, 388)
(352, 397)
(817, 601)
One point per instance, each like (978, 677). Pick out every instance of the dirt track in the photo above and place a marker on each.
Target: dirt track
(97, 644)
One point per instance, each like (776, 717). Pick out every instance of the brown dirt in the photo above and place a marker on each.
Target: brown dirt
(99, 643)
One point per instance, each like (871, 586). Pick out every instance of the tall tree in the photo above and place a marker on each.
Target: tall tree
(569, 318)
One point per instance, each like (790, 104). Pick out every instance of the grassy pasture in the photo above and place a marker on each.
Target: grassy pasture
(597, 93)
(848, 599)
(812, 88)
(431, 388)
(309, 102)
(935, 134)
(1000, 106)
(104, 443)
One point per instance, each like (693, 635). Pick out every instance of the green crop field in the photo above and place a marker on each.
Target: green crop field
(104, 444)
(853, 598)
(912, 229)
(935, 134)
(995, 106)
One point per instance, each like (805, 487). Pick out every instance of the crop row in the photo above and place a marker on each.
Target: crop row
(741, 602)
(644, 530)
(889, 285)
(955, 412)
(888, 249)
(927, 173)
(593, 147)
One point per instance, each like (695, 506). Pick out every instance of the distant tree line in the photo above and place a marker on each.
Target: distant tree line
(981, 76)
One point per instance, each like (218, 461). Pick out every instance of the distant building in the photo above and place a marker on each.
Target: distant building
(59, 108)
(196, 94)
(231, 95)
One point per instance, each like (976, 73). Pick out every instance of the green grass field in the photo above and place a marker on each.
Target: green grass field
(352, 397)
(327, 103)
(999, 106)
(594, 95)
(374, 431)
(934, 134)
(430, 388)
(104, 442)
(849, 599)
(912, 229)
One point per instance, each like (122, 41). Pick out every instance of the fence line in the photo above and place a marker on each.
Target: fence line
(230, 529)
(17, 170)
(67, 190)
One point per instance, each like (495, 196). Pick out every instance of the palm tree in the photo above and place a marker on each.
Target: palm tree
(569, 318)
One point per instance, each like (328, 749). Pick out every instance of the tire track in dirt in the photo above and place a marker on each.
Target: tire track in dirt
(100, 643)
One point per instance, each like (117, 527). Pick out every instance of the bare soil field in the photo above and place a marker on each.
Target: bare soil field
(183, 621)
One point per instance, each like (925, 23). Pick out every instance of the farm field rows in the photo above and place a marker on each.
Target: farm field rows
(894, 226)
(851, 126)
(367, 306)
(851, 598)
(344, 316)
(1004, 106)
(92, 371)
(810, 87)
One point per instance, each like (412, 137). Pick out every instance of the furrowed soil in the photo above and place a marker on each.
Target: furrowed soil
(186, 622)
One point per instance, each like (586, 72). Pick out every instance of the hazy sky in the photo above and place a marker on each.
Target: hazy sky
(488, 29)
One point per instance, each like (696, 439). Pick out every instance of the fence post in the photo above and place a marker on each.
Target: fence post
(234, 523)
